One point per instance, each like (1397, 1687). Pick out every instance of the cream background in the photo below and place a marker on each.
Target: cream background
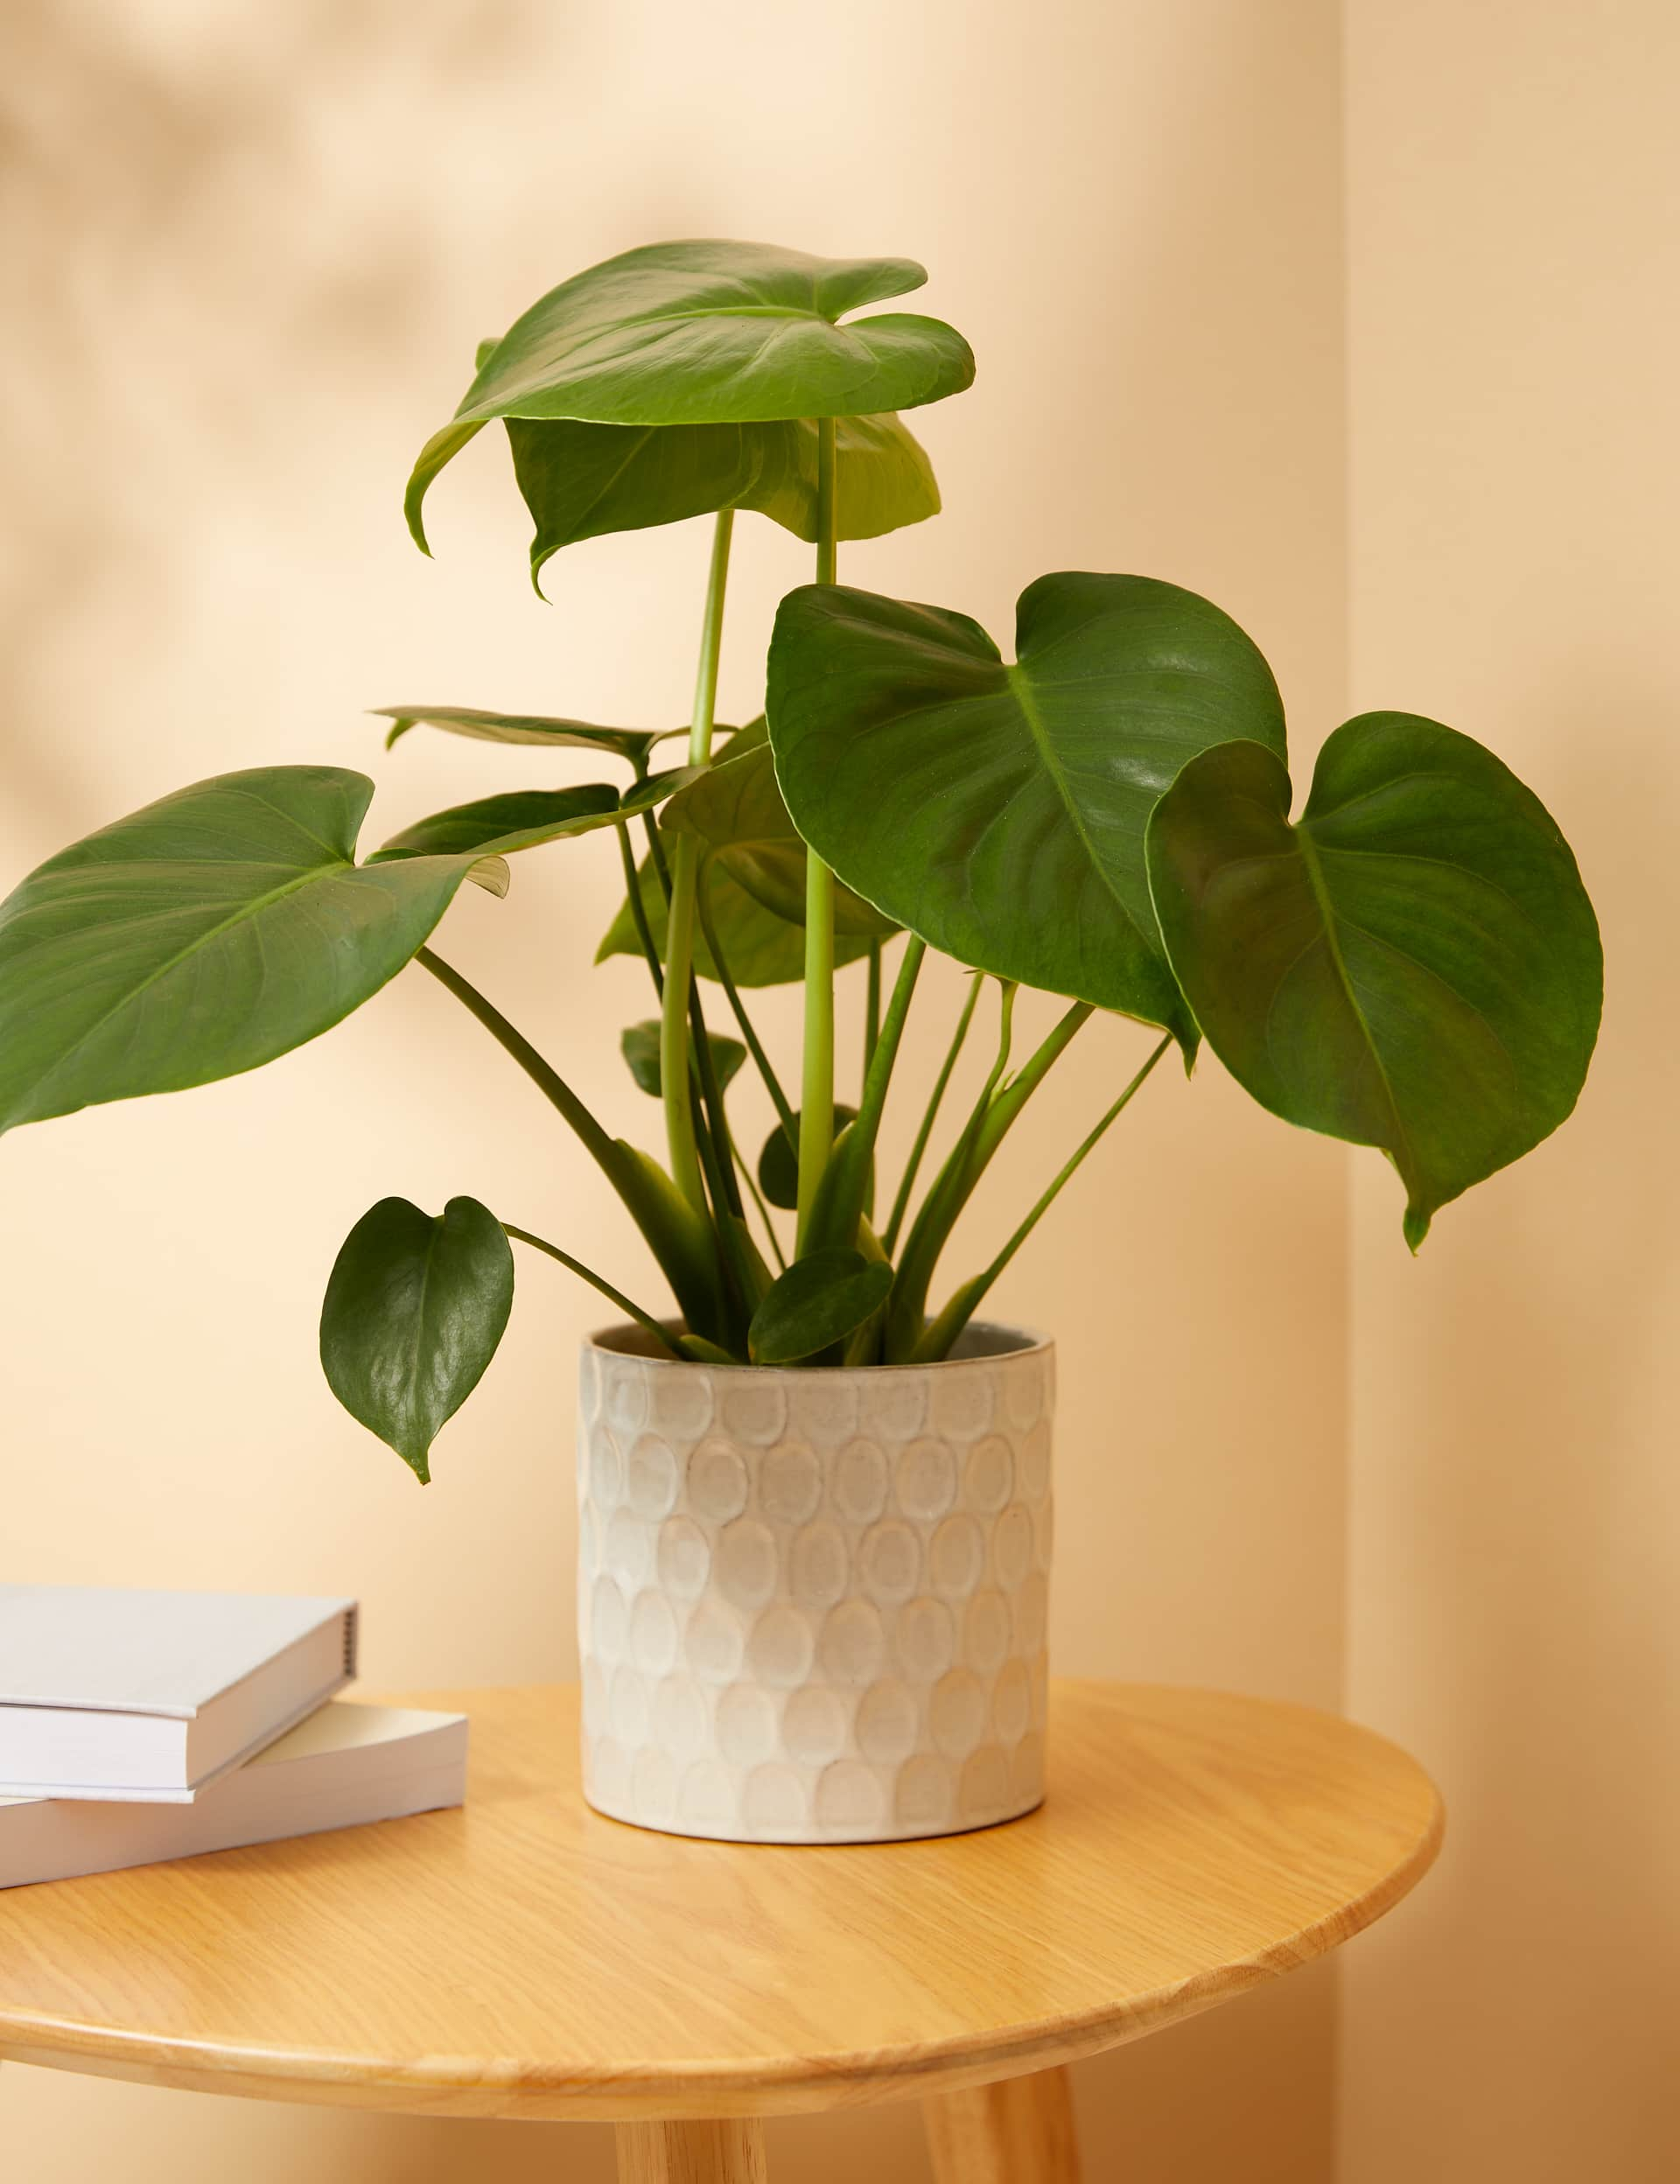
(248, 249)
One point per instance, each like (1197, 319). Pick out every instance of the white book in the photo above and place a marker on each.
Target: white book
(346, 1765)
(109, 1693)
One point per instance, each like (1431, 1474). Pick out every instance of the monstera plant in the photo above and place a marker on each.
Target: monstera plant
(1409, 962)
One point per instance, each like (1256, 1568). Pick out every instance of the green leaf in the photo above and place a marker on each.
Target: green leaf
(719, 332)
(1414, 964)
(735, 810)
(525, 819)
(761, 949)
(999, 811)
(537, 729)
(209, 933)
(819, 1300)
(585, 480)
(415, 1308)
(640, 1046)
(779, 1162)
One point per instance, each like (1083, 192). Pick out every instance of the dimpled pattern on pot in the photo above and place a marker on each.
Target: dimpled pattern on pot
(812, 1604)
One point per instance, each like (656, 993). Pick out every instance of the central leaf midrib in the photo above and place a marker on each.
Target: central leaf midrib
(1025, 698)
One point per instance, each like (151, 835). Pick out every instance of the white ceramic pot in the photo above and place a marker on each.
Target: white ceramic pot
(811, 1602)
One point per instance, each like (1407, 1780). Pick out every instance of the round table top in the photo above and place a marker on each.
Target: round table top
(527, 1957)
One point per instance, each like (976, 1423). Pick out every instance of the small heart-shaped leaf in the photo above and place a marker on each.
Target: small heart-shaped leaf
(640, 1046)
(414, 1310)
(779, 1162)
(818, 1301)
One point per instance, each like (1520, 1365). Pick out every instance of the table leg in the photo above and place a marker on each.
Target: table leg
(691, 2154)
(1019, 2130)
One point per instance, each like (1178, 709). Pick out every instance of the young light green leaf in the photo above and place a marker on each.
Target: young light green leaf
(760, 948)
(999, 810)
(735, 810)
(414, 1310)
(1413, 964)
(779, 1162)
(640, 1046)
(585, 480)
(209, 933)
(818, 1301)
(536, 729)
(525, 819)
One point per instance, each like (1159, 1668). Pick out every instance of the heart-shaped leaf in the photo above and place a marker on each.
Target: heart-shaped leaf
(204, 936)
(585, 480)
(735, 810)
(536, 729)
(525, 819)
(999, 811)
(760, 948)
(414, 1311)
(640, 1046)
(819, 1300)
(779, 1162)
(1414, 964)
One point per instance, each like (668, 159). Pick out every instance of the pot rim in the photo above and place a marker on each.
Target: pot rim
(1029, 1342)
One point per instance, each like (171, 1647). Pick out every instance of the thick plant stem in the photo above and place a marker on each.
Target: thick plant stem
(841, 1200)
(895, 1220)
(873, 1007)
(816, 1083)
(638, 908)
(941, 1332)
(679, 941)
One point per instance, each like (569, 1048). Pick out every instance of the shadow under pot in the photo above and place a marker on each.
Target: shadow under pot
(811, 1603)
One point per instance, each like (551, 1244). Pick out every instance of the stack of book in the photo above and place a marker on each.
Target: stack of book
(136, 1727)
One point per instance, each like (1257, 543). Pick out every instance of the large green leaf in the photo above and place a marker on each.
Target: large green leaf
(760, 948)
(999, 811)
(1414, 964)
(208, 933)
(536, 729)
(717, 333)
(735, 811)
(415, 1308)
(584, 481)
(525, 819)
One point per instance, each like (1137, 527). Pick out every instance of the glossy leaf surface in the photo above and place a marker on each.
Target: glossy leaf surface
(538, 730)
(818, 1301)
(711, 333)
(414, 1311)
(999, 810)
(208, 933)
(1414, 964)
(640, 1046)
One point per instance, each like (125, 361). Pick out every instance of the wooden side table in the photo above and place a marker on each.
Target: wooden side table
(527, 1958)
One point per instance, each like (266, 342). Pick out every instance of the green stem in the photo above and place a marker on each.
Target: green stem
(873, 1007)
(840, 1202)
(772, 1083)
(638, 908)
(548, 1081)
(942, 1332)
(746, 1169)
(816, 1083)
(679, 939)
(674, 1344)
(902, 1203)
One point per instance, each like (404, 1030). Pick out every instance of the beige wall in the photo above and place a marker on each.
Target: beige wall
(1514, 219)
(254, 246)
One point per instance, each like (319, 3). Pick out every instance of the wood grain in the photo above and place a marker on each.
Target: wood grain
(725, 2152)
(526, 1958)
(1019, 2130)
